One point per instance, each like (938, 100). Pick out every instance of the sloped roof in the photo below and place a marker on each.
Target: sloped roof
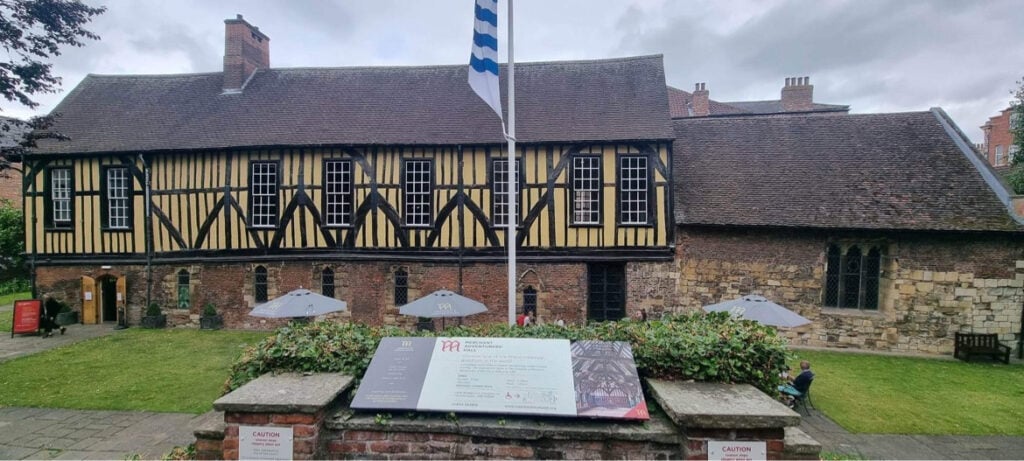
(613, 99)
(774, 106)
(679, 103)
(862, 171)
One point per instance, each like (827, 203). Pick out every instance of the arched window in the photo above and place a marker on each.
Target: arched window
(852, 279)
(259, 284)
(327, 282)
(401, 287)
(184, 298)
(530, 300)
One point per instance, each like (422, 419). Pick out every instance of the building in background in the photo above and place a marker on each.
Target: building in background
(998, 146)
(796, 96)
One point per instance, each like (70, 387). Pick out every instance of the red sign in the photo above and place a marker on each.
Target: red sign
(26, 316)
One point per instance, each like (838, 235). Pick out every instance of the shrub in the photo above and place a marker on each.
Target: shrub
(209, 310)
(702, 347)
(17, 285)
(153, 310)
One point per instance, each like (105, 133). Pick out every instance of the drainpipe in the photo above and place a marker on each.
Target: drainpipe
(1020, 336)
(149, 235)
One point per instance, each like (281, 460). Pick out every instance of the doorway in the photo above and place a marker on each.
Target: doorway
(108, 299)
(606, 294)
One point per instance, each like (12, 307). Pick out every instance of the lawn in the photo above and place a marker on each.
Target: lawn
(899, 395)
(7, 316)
(154, 370)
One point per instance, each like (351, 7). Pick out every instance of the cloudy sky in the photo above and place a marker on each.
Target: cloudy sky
(876, 56)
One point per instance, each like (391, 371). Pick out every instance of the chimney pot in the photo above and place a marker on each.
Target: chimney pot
(701, 101)
(797, 94)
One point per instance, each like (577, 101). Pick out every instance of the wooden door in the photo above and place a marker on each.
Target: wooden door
(606, 297)
(89, 296)
(122, 300)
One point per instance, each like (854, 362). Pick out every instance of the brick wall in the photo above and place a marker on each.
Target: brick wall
(10, 185)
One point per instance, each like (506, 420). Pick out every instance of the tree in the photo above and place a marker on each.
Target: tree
(12, 239)
(32, 32)
(1016, 175)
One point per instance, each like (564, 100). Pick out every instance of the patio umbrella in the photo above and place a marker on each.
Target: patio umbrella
(443, 303)
(761, 310)
(298, 303)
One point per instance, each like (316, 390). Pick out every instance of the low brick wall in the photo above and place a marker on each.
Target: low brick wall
(692, 415)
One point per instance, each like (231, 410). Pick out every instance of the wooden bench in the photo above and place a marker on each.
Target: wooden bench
(972, 344)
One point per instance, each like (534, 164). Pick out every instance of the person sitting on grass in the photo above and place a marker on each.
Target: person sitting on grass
(799, 385)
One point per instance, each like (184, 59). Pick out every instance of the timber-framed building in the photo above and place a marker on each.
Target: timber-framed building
(375, 185)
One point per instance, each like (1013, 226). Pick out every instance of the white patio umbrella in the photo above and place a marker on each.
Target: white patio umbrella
(761, 310)
(298, 303)
(443, 303)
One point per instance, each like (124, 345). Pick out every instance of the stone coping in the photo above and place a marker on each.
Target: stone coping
(285, 393)
(720, 406)
(657, 429)
(797, 442)
(209, 425)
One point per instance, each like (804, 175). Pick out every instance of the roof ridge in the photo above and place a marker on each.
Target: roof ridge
(118, 76)
(801, 114)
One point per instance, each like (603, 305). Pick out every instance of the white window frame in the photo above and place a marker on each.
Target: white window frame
(1000, 158)
(418, 191)
(60, 196)
(263, 194)
(634, 190)
(586, 190)
(499, 184)
(338, 192)
(118, 196)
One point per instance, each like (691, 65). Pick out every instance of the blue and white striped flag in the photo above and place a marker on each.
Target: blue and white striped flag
(483, 63)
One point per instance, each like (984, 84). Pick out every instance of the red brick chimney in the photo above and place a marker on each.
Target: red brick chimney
(700, 105)
(798, 94)
(245, 50)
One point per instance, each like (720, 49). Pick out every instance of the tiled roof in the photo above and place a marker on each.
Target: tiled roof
(614, 99)
(870, 171)
(775, 107)
(679, 105)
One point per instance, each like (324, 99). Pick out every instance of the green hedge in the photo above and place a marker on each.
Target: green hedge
(711, 347)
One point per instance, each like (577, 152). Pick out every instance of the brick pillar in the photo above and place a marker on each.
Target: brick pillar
(706, 412)
(290, 400)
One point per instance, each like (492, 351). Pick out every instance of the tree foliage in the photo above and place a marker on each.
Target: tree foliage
(1016, 175)
(12, 238)
(32, 32)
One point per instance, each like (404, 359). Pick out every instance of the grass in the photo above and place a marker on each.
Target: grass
(153, 370)
(900, 395)
(6, 317)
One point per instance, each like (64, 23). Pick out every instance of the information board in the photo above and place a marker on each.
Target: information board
(264, 442)
(26, 316)
(736, 451)
(503, 375)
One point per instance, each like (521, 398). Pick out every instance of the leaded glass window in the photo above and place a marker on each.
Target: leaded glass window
(259, 284)
(327, 282)
(530, 300)
(60, 197)
(852, 278)
(401, 288)
(184, 294)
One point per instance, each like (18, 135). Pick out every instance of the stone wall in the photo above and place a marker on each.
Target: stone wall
(931, 286)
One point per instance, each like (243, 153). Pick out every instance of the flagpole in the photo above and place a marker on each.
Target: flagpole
(513, 170)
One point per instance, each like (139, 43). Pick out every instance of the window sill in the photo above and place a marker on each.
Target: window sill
(587, 226)
(59, 229)
(851, 312)
(116, 229)
(648, 225)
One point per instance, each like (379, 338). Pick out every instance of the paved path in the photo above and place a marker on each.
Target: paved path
(41, 433)
(21, 345)
(835, 439)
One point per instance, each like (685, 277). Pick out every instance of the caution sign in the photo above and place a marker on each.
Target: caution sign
(264, 442)
(732, 450)
(26, 316)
